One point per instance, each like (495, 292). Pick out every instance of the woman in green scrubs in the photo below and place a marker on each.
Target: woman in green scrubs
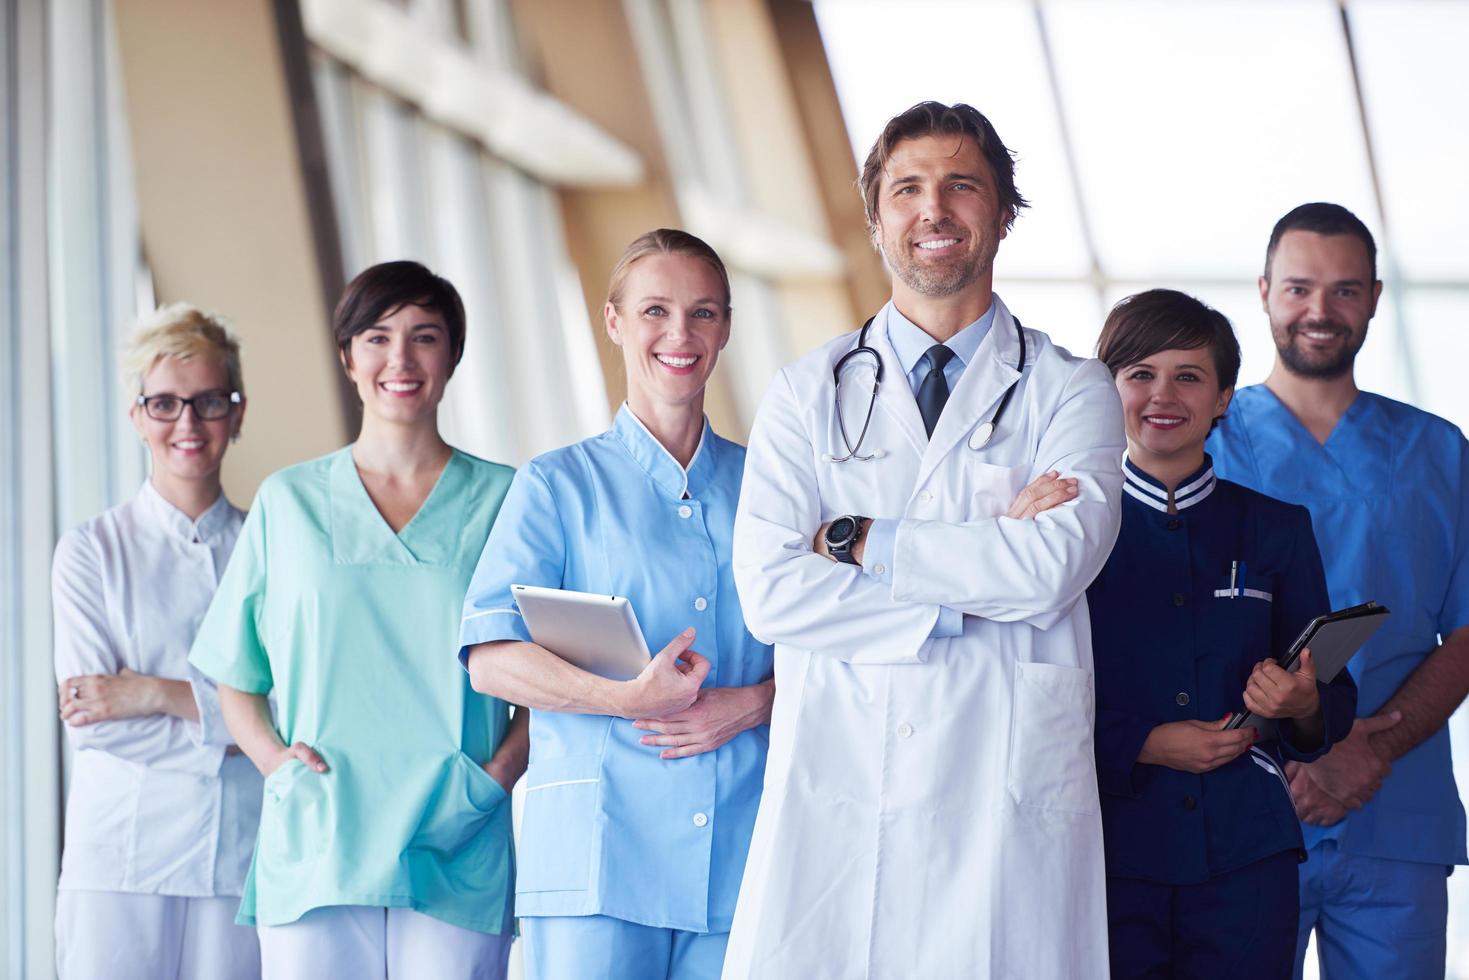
(385, 846)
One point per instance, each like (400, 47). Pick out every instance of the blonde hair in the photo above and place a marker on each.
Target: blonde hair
(184, 331)
(664, 241)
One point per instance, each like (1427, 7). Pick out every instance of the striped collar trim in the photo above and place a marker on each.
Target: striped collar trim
(1142, 487)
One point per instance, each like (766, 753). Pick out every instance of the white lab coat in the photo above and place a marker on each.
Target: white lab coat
(155, 805)
(930, 806)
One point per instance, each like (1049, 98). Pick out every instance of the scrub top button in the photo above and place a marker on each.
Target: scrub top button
(1173, 524)
(878, 569)
(701, 603)
(905, 730)
(1189, 802)
(1178, 599)
(686, 511)
(1180, 699)
(700, 819)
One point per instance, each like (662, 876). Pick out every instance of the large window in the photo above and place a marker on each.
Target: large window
(1159, 142)
(414, 177)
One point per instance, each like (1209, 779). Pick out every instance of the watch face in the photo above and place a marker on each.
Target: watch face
(841, 531)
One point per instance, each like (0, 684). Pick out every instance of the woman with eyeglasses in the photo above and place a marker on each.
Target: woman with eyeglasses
(162, 810)
(385, 847)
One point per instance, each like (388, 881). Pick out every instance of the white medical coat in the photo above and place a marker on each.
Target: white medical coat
(930, 805)
(155, 805)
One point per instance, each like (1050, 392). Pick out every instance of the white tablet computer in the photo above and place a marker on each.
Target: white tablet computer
(598, 633)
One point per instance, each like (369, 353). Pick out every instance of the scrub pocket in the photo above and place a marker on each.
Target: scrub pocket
(560, 824)
(1051, 754)
(465, 802)
(295, 813)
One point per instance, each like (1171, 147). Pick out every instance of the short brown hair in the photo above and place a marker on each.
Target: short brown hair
(932, 119)
(1321, 218)
(1145, 323)
(381, 289)
(664, 241)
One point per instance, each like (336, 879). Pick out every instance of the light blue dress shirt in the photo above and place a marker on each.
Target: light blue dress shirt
(1389, 497)
(610, 828)
(911, 343)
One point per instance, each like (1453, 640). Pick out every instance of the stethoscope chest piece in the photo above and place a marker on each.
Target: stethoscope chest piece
(980, 437)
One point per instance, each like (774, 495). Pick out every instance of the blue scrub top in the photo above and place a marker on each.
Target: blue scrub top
(610, 828)
(1389, 494)
(1172, 642)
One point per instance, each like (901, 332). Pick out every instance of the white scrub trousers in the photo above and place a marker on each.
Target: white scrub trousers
(364, 942)
(600, 947)
(126, 936)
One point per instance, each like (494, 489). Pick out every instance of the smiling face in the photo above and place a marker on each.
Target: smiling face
(939, 216)
(1169, 401)
(187, 449)
(671, 323)
(401, 365)
(1319, 297)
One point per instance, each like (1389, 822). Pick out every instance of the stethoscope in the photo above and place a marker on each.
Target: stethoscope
(978, 439)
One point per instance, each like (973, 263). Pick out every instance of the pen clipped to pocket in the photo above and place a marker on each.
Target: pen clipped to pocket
(1237, 587)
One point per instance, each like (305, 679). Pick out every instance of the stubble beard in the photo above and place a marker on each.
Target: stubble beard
(942, 280)
(1303, 365)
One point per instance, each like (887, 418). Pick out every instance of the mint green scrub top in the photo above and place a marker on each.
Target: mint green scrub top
(347, 623)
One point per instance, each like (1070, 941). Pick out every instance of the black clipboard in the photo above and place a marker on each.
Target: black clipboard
(1334, 639)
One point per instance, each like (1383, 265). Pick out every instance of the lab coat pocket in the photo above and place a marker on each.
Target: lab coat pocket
(294, 815)
(559, 825)
(992, 489)
(1052, 763)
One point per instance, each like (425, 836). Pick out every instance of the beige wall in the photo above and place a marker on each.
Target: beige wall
(223, 210)
(583, 54)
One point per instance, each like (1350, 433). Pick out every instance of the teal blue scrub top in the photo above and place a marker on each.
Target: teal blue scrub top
(347, 623)
(1389, 497)
(609, 827)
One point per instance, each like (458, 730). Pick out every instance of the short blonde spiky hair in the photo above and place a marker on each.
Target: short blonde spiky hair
(180, 330)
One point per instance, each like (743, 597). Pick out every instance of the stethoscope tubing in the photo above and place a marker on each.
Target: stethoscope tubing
(854, 451)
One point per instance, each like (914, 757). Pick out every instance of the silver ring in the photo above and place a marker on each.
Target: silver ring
(76, 692)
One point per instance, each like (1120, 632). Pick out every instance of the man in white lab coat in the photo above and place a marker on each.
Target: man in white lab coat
(930, 804)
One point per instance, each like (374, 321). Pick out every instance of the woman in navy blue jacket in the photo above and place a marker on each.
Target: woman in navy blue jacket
(1209, 583)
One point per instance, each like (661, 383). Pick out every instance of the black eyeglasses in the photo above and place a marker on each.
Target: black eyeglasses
(208, 407)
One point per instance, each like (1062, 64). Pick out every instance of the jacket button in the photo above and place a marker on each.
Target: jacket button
(905, 730)
(700, 819)
(1178, 599)
(1189, 803)
(701, 604)
(1173, 524)
(686, 511)
(1180, 699)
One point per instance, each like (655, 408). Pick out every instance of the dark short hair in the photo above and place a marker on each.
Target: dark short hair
(1145, 323)
(1322, 219)
(381, 289)
(935, 119)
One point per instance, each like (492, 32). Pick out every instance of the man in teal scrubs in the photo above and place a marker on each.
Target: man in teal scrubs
(1388, 490)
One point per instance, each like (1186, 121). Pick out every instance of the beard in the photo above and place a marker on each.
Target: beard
(946, 278)
(1309, 364)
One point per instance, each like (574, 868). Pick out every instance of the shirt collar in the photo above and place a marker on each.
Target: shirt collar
(658, 463)
(1191, 490)
(177, 523)
(910, 342)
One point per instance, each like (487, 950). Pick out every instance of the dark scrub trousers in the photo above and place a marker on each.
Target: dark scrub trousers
(1201, 868)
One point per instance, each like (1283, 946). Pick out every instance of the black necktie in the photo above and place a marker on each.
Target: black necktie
(934, 390)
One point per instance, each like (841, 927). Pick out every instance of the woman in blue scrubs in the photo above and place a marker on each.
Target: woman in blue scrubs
(641, 795)
(1208, 583)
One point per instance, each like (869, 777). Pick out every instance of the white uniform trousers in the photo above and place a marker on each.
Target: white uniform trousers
(364, 942)
(126, 936)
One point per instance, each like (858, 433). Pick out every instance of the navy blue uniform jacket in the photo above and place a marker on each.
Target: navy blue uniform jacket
(1172, 642)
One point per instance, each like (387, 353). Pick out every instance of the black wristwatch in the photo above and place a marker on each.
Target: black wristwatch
(842, 535)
